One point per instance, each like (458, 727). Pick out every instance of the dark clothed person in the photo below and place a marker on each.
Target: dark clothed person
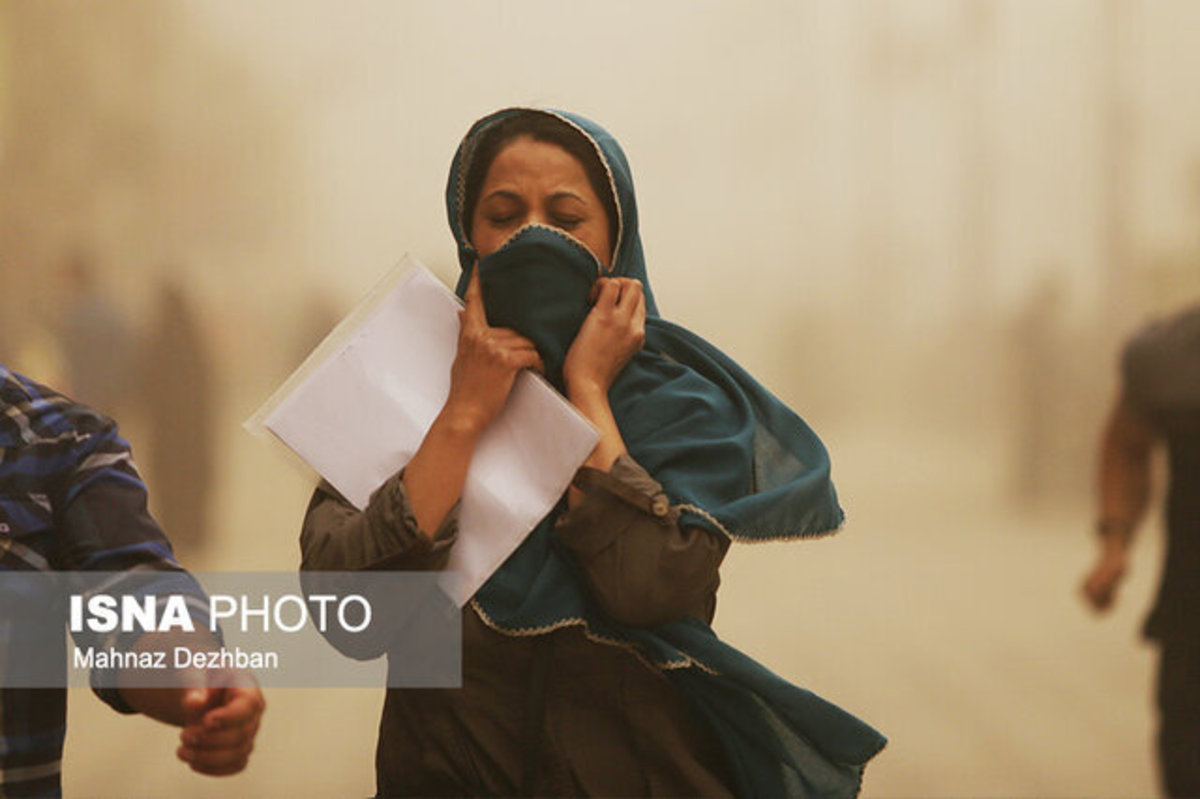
(1160, 405)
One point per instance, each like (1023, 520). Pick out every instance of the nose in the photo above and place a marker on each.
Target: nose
(538, 216)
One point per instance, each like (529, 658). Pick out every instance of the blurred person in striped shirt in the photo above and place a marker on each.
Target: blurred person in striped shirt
(71, 500)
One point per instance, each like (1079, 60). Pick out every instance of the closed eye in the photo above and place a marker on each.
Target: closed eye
(567, 222)
(501, 220)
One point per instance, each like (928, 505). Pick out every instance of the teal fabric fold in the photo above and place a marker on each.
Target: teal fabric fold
(538, 284)
(732, 458)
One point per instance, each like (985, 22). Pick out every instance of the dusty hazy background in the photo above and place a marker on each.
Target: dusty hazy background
(926, 225)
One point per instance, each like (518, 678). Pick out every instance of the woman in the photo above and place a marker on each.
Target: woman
(589, 667)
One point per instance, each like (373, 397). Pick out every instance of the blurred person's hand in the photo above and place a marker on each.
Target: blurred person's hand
(1100, 585)
(218, 736)
(218, 709)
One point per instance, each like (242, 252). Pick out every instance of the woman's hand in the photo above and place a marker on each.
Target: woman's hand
(485, 365)
(612, 334)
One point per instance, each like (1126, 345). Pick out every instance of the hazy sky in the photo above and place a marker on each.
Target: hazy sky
(909, 162)
(826, 149)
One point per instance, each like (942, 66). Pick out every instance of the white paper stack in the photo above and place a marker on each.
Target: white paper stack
(358, 409)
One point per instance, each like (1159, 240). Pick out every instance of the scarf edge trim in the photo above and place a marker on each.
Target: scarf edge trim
(824, 532)
(578, 621)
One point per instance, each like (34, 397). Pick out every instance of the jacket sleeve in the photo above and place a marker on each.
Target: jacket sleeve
(336, 536)
(639, 564)
(102, 526)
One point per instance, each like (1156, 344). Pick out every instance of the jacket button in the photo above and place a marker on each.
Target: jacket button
(660, 506)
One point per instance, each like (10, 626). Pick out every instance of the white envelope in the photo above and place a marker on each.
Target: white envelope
(359, 407)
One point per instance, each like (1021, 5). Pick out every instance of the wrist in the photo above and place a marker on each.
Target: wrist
(461, 423)
(1114, 534)
(1112, 528)
(585, 389)
(1114, 551)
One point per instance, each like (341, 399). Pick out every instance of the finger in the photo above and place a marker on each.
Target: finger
(597, 284)
(507, 349)
(216, 762)
(224, 738)
(525, 359)
(607, 295)
(631, 292)
(195, 700)
(227, 771)
(1098, 596)
(473, 311)
(638, 320)
(639, 310)
(240, 705)
(629, 289)
(509, 338)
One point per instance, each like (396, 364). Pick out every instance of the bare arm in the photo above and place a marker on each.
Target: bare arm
(1124, 494)
(594, 405)
(611, 335)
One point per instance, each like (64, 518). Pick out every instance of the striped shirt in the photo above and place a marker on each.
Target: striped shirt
(70, 500)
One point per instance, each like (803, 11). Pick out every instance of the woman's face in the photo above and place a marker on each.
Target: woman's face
(531, 181)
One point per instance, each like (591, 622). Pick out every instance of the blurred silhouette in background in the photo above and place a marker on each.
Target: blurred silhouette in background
(96, 344)
(1159, 403)
(177, 398)
(1037, 342)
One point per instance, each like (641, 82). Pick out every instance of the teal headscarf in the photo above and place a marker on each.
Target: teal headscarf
(731, 457)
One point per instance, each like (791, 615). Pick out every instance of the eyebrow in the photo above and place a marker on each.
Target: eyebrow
(501, 193)
(508, 194)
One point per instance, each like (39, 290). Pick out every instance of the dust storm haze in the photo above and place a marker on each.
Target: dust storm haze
(927, 225)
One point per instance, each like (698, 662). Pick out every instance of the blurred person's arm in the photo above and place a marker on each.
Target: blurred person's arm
(1124, 494)
(104, 526)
